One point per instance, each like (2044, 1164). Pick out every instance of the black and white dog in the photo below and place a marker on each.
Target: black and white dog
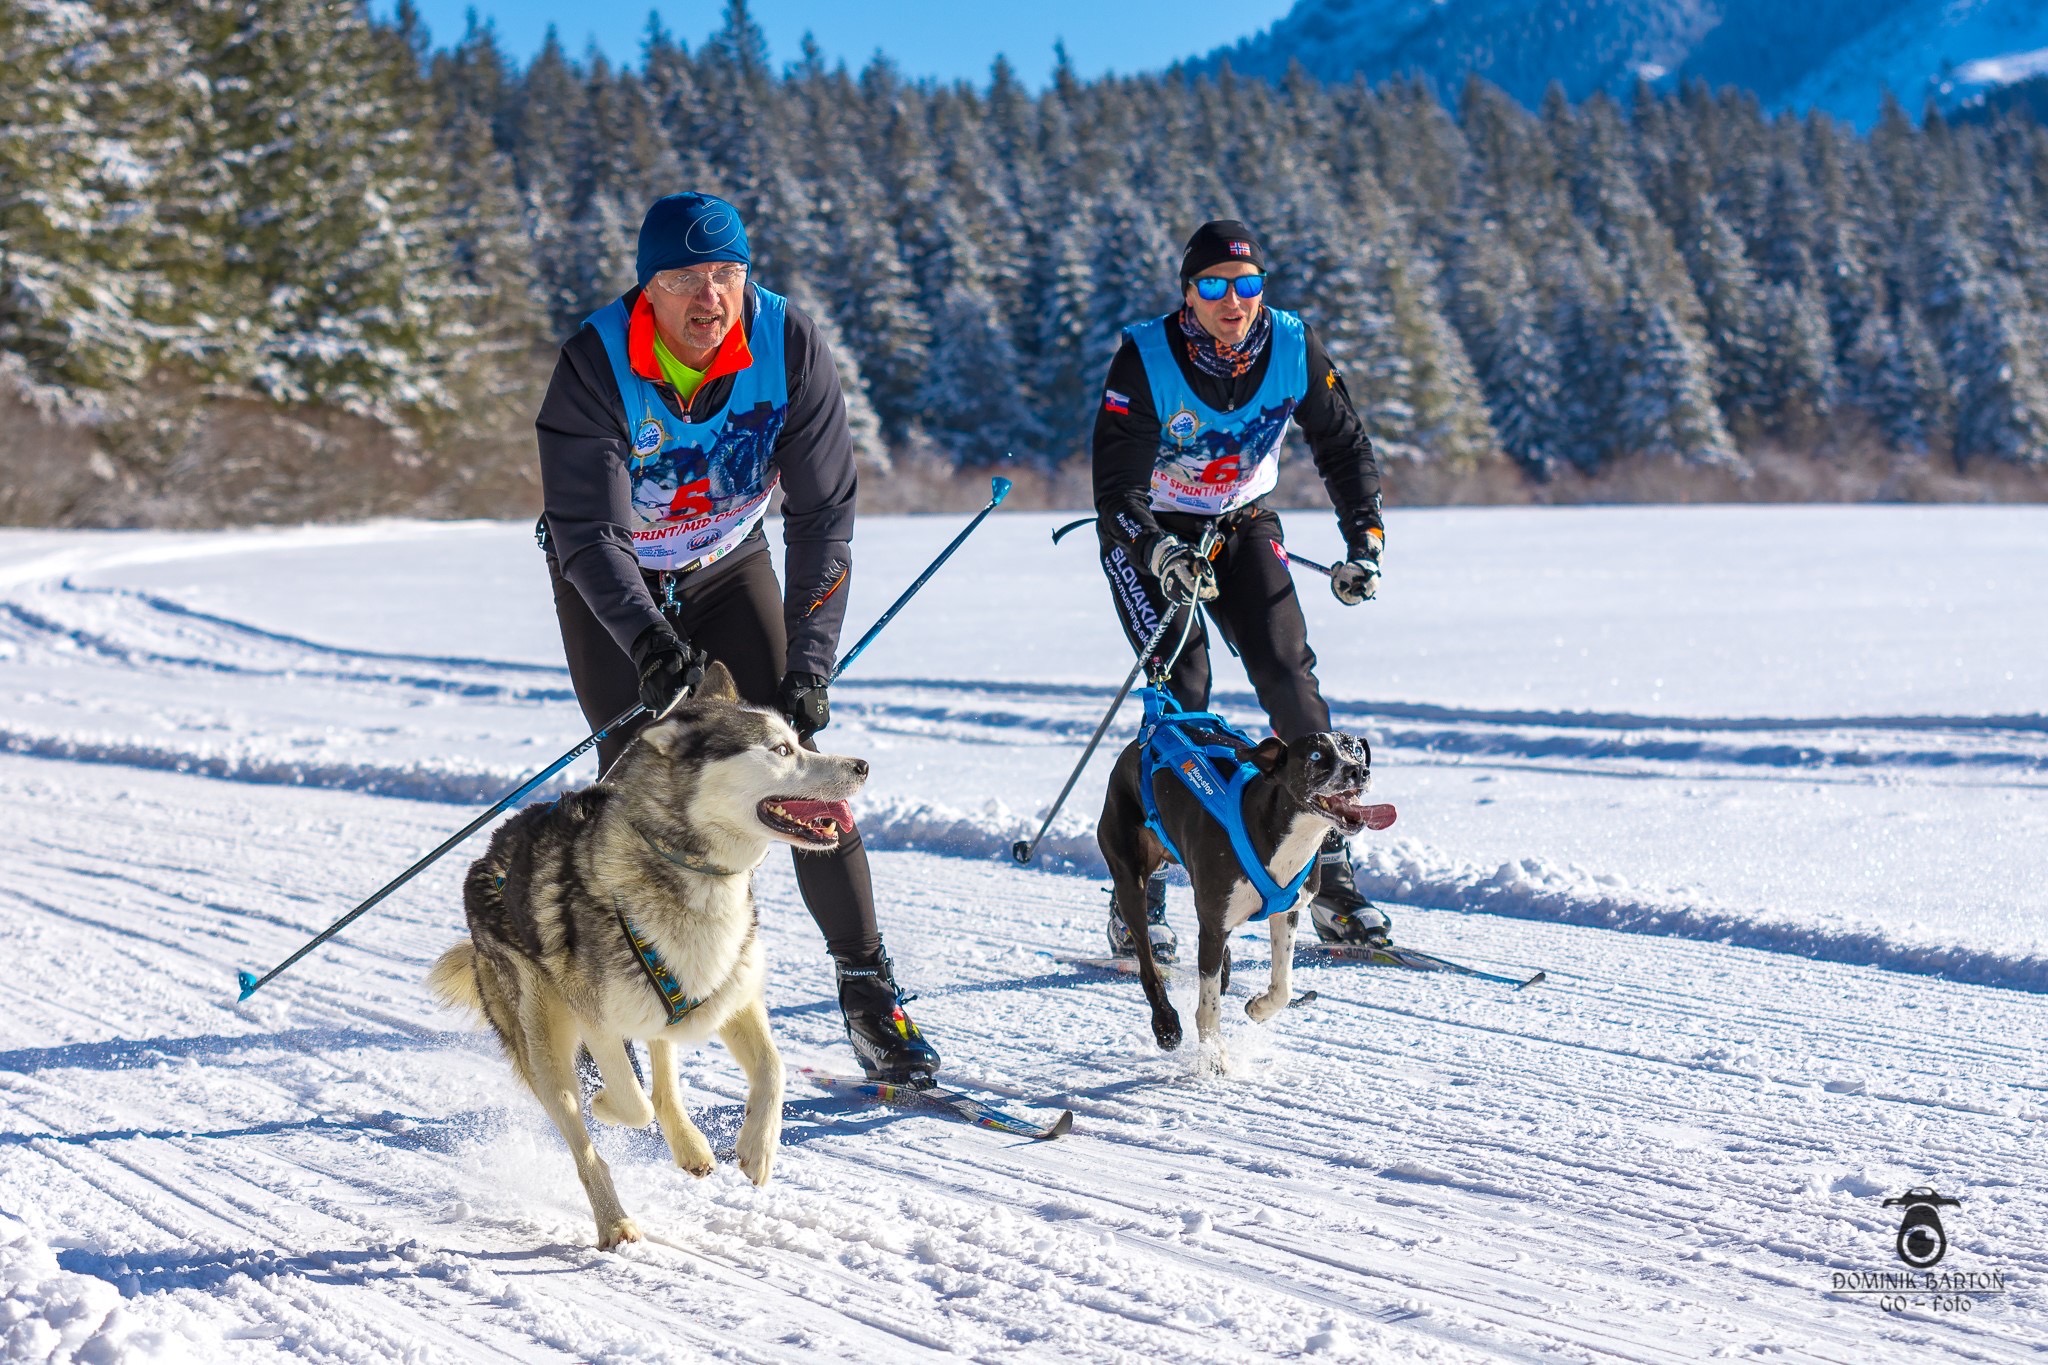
(1299, 792)
(625, 910)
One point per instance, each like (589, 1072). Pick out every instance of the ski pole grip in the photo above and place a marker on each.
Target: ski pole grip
(1000, 487)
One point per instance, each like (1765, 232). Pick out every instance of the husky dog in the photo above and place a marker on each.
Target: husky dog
(625, 910)
(1300, 792)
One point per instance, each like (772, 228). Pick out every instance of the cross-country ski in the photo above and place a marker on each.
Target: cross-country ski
(976, 1111)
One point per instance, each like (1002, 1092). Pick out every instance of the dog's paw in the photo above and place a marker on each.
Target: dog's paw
(687, 1145)
(1264, 1007)
(625, 1106)
(1166, 1029)
(620, 1229)
(756, 1147)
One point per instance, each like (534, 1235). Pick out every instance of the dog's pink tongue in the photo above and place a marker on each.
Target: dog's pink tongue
(1378, 817)
(812, 812)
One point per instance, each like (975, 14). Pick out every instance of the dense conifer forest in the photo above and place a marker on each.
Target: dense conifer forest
(277, 260)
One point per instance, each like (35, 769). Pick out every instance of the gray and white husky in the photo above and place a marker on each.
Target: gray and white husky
(662, 850)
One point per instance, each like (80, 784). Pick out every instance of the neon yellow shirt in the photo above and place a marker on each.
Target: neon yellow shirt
(680, 376)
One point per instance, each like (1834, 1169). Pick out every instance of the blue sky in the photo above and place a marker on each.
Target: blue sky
(947, 39)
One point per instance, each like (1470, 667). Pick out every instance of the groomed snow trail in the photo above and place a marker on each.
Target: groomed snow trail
(1664, 1152)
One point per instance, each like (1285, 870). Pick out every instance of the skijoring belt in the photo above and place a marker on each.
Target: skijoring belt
(1164, 740)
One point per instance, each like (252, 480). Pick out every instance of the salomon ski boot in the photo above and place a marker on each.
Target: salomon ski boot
(1164, 942)
(888, 1044)
(1339, 912)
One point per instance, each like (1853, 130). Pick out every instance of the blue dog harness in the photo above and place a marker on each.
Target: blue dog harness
(1189, 743)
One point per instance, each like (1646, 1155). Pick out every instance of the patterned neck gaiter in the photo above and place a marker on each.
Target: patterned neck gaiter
(1212, 357)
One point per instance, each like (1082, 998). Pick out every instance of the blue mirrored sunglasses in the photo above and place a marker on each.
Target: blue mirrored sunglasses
(1214, 287)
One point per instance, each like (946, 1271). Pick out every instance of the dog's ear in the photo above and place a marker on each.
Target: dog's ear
(1269, 755)
(717, 685)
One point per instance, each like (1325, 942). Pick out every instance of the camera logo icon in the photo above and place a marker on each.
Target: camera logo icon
(1921, 1241)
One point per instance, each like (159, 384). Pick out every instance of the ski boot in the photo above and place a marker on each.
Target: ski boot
(888, 1044)
(1165, 943)
(1339, 912)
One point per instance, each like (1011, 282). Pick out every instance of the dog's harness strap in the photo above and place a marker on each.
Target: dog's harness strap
(1164, 740)
(658, 975)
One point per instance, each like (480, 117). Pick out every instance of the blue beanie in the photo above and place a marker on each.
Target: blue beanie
(689, 229)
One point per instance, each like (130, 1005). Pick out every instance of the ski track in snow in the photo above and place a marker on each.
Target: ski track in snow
(1661, 1153)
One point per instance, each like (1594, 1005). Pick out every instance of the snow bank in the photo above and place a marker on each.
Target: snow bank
(1413, 873)
(49, 1314)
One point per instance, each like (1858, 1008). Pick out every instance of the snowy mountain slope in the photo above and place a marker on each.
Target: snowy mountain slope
(1835, 55)
(1719, 729)
(1940, 50)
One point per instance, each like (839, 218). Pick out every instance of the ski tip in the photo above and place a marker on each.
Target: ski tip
(1060, 1126)
(248, 981)
(999, 486)
(1540, 976)
(1020, 853)
(1305, 998)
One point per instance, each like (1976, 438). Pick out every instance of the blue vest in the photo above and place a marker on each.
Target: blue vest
(700, 487)
(1212, 462)
(1186, 743)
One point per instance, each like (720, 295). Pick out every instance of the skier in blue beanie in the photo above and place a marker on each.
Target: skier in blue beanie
(674, 414)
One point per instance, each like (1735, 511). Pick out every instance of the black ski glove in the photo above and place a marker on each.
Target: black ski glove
(804, 701)
(667, 665)
(1183, 575)
(1358, 577)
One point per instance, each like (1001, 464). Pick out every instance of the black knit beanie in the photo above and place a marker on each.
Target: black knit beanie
(1218, 243)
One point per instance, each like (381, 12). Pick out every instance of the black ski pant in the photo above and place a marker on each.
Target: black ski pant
(732, 610)
(1255, 610)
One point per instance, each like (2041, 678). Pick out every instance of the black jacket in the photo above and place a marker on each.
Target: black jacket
(584, 448)
(1126, 444)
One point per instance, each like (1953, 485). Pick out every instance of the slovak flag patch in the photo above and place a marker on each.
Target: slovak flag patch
(1112, 401)
(1240, 248)
(1279, 550)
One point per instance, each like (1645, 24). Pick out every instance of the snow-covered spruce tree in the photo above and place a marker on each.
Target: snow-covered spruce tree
(1731, 299)
(95, 108)
(1500, 318)
(1801, 380)
(976, 401)
(1134, 264)
(1666, 409)
(333, 277)
(1993, 356)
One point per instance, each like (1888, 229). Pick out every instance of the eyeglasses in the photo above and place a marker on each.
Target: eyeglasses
(725, 280)
(1214, 287)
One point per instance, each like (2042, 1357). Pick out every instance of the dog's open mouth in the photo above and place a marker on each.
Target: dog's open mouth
(810, 822)
(1351, 814)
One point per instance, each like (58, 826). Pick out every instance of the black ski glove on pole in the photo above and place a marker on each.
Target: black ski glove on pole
(1358, 577)
(667, 665)
(803, 700)
(1183, 575)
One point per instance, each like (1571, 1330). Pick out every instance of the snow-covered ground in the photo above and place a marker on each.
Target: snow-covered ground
(1798, 753)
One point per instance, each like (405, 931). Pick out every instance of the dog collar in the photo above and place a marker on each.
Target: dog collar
(658, 975)
(683, 860)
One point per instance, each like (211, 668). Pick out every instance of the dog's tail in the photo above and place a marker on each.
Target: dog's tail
(453, 979)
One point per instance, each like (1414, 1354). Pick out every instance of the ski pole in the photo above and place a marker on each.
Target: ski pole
(1324, 569)
(999, 488)
(1023, 850)
(251, 983)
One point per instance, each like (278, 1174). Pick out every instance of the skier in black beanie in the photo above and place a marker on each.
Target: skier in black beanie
(1189, 434)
